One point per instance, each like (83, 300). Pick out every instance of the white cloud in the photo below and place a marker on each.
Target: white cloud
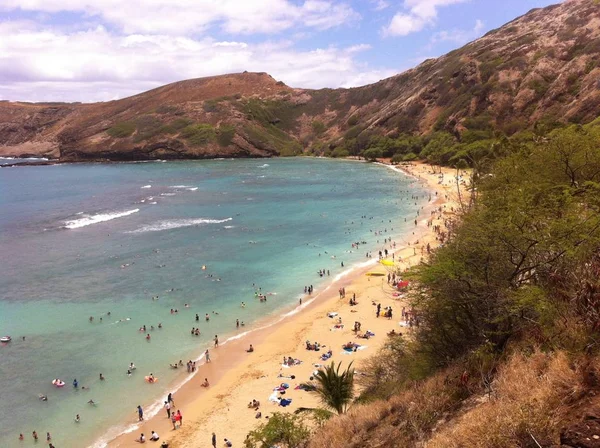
(94, 65)
(380, 5)
(416, 16)
(457, 36)
(196, 16)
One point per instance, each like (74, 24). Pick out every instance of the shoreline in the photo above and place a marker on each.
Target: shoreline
(233, 372)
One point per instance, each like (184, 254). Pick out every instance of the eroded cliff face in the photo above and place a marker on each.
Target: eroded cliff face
(543, 66)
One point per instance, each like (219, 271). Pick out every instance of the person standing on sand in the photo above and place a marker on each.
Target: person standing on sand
(140, 413)
(168, 408)
(207, 355)
(214, 440)
(170, 399)
(179, 417)
(216, 341)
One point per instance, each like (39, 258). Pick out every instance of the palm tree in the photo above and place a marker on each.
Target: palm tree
(335, 388)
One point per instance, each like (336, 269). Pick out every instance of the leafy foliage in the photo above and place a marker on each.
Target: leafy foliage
(335, 388)
(318, 127)
(199, 134)
(285, 430)
(536, 219)
(121, 130)
(225, 134)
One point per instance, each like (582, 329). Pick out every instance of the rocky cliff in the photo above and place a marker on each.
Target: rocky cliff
(541, 67)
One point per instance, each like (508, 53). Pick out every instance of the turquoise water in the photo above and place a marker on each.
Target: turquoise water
(85, 240)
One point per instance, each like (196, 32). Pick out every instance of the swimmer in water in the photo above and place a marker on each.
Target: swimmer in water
(77, 418)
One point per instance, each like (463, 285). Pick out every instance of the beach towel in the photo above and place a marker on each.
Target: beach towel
(349, 351)
(285, 402)
(273, 397)
(332, 315)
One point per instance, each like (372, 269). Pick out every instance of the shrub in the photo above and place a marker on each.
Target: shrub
(353, 120)
(340, 153)
(318, 127)
(286, 429)
(353, 132)
(180, 123)
(198, 134)
(122, 130)
(225, 134)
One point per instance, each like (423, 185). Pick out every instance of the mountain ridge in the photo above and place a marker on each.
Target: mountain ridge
(540, 67)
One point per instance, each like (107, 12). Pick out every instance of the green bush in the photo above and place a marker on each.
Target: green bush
(353, 132)
(286, 429)
(353, 120)
(180, 123)
(340, 152)
(318, 127)
(199, 134)
(290, 149)
(225, 134)
(122, 130)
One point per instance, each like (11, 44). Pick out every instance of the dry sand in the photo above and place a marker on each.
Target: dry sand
(237, 377)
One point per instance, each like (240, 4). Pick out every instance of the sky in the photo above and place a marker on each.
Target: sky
(101, 50)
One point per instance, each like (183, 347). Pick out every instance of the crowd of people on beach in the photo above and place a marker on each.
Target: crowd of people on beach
(409, 317)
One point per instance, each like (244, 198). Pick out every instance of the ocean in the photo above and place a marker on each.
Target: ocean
(127, 243)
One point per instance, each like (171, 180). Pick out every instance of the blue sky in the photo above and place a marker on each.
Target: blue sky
(98, 50)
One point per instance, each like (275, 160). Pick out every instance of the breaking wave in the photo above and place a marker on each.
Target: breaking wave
(95, 219)
(178, 223)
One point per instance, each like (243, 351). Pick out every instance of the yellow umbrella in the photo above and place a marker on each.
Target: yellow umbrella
(387, 262)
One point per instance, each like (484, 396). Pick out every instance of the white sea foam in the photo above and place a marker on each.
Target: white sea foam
(95, 219)
(177, 223)
(147, 186)
(180, 186)
(193, 189)
(228, 227)
(168, 194)
(263, 166)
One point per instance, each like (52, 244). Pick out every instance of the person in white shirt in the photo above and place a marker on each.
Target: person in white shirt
(154, 437)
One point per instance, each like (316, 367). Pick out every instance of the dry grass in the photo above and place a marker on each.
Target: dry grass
(531, 399)
(400, 421)
(532, 396)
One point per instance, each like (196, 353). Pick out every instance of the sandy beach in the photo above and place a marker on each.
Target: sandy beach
(237, 377)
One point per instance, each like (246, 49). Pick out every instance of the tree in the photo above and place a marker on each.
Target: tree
(335, 388)
(286, 430)
(372, 154)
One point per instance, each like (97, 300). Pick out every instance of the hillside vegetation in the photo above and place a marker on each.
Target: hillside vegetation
(506, 350)
(538, 71)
